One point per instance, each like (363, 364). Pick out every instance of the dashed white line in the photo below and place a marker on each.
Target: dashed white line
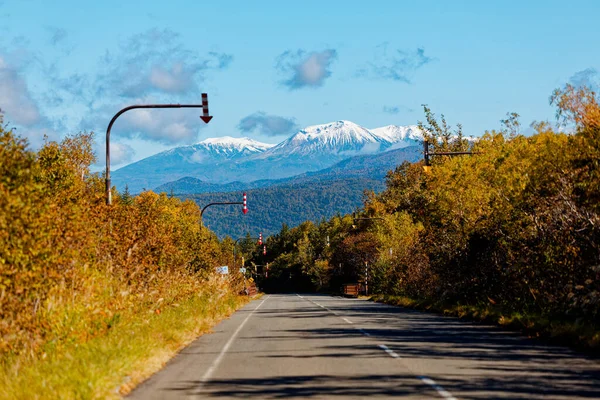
(391, 352)
(442, 392)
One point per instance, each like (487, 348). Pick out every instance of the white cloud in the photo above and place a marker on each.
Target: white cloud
(306, 69)
(20, 109)
(164, 126)
(588, 77)
(397, 65)
(368, 148)
(156, 62)
(36, 135)
(151, 67)
(120, 153)
(198, 157)
(178, 79)
(15, 98)
(270, 125)
(56, 35)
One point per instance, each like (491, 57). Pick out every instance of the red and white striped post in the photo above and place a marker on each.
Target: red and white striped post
(245, 206)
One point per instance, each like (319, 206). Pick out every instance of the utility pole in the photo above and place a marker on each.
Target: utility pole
(366, 278)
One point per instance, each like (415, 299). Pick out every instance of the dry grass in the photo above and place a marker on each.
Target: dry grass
(109, 365)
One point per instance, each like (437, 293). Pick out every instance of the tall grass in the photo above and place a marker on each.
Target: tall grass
(136, 342)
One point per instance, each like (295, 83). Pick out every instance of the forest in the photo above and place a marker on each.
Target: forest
(510, 230)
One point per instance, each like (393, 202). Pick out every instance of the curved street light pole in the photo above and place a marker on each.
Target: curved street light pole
(218, 204)
(355, 218)
(243, 203)
(205, 117)
(427, 154)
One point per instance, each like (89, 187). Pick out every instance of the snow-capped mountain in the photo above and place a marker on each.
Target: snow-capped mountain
(340, 138)
(227, 159)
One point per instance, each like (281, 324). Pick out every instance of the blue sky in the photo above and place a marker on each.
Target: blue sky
(271, 67)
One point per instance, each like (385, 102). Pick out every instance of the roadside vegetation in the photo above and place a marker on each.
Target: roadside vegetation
(90, 293)
(510, 234)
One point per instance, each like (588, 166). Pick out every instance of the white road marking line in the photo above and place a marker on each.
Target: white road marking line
(217, 361)
(334, 313)
(442, 392)
(389, 351)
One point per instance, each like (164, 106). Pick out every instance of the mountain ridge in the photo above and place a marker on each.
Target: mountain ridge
(227, 159)
(368, 166)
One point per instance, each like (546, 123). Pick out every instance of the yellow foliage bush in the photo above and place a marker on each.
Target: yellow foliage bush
(70, 265)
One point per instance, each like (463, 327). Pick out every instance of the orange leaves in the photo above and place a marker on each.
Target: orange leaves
(64, 254)
(578, 105)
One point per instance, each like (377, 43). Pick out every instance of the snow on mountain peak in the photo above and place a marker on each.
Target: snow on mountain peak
(335, 130)
(215, 150)
(232, 143)
(334, 138)
(396, 133)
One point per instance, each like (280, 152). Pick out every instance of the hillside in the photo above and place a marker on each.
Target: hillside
(371, 167)
(291, 204)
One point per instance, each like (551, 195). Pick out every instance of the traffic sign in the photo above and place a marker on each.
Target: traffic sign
(205, 117)
(224, 270)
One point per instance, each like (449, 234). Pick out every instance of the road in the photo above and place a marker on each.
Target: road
(323, 347)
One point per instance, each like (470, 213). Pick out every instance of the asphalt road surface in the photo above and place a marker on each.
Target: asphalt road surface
(322, 347)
